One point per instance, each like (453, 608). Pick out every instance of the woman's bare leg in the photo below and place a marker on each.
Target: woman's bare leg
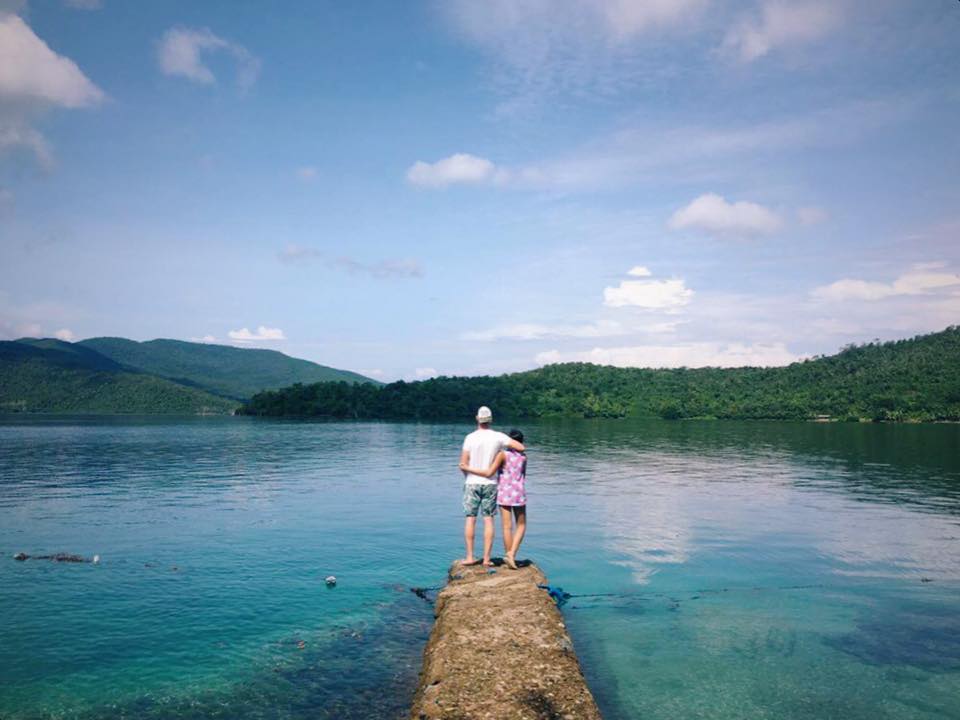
(506, 520)
(520, 513)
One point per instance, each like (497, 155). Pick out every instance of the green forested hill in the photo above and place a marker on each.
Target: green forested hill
(915, 379)
(231, 372)
(55, 376)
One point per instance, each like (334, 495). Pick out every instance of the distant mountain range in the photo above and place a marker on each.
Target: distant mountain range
(116, 375)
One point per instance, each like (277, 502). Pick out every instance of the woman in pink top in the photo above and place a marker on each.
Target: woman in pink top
(511, 496)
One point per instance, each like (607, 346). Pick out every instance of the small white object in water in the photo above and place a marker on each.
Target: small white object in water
(96, 559)
(330, 580)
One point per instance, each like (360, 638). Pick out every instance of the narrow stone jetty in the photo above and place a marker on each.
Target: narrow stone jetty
(500, 649)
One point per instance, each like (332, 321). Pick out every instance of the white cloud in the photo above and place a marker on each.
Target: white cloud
(422, 373)
(699, 354)
(667, 295)
(65, 335)
(205, 339)
(307, 173)
(782, 23)
(180, 53)
(263, 333)
(31, 71)
(923, 279)
(639, 271)
(712, 213)
(458, 168)
(35, 79)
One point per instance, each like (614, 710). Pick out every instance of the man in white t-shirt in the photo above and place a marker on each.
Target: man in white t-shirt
(480, 448)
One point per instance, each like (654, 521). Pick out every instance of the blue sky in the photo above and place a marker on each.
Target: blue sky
(410, 189)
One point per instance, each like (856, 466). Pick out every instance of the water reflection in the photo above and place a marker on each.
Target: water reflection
(740, 569)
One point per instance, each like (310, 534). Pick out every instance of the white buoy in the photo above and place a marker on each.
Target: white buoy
(330, 580)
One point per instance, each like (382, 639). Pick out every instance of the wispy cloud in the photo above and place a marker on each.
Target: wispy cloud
(650, 153)
(541, 48)
(84, 4)
(702, 354)
(263, 333)
(538, 331)
(812, 215)
(922, 279)
(782, 24)
(384, 269)
(181, 50)
(714, 214)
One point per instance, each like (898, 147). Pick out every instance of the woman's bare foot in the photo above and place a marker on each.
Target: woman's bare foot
(510, 561)
(488, 563)
(469, 561)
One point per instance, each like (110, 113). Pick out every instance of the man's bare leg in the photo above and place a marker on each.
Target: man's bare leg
(506, 521)
(469, 528)
(487, 540)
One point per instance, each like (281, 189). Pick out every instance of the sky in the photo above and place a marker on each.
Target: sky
(446, 188)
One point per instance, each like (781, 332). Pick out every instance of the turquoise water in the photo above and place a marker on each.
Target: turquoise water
(721, 570)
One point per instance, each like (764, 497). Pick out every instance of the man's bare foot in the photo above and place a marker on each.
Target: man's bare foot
(510, 561)
(469, 561)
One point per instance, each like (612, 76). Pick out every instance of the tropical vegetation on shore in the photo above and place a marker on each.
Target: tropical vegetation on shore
(917, 379)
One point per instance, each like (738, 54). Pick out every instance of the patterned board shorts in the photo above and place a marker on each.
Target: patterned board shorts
(479, 498)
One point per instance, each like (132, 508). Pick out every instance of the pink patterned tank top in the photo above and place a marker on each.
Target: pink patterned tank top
(511, 489)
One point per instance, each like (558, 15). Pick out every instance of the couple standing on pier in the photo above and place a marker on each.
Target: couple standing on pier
(494, 467)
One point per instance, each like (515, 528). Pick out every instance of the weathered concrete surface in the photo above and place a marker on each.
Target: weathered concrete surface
(500, 649)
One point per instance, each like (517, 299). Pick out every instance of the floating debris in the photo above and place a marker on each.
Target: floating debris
(558, 594)
(330, 580)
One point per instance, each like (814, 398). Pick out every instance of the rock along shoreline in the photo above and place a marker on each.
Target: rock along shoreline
(500, 649)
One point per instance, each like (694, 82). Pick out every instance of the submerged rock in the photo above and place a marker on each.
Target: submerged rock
(58, 557)
(500, 649)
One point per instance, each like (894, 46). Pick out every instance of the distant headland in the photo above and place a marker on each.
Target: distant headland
(116, 375)
(912, 380)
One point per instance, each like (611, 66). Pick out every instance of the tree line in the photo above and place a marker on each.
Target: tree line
(917, 379)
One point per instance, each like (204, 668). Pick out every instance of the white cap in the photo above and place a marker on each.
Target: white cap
(484, 415)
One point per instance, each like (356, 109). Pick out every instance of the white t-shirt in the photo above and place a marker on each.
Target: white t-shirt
(483, 444)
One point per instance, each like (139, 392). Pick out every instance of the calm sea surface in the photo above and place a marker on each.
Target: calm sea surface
(719, 569)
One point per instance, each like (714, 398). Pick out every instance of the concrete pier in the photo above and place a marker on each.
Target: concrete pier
(500, 649)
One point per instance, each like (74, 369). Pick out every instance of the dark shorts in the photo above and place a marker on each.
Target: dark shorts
(479, 499)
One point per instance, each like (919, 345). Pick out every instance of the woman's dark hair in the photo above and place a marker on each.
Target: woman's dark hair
(516, 435)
